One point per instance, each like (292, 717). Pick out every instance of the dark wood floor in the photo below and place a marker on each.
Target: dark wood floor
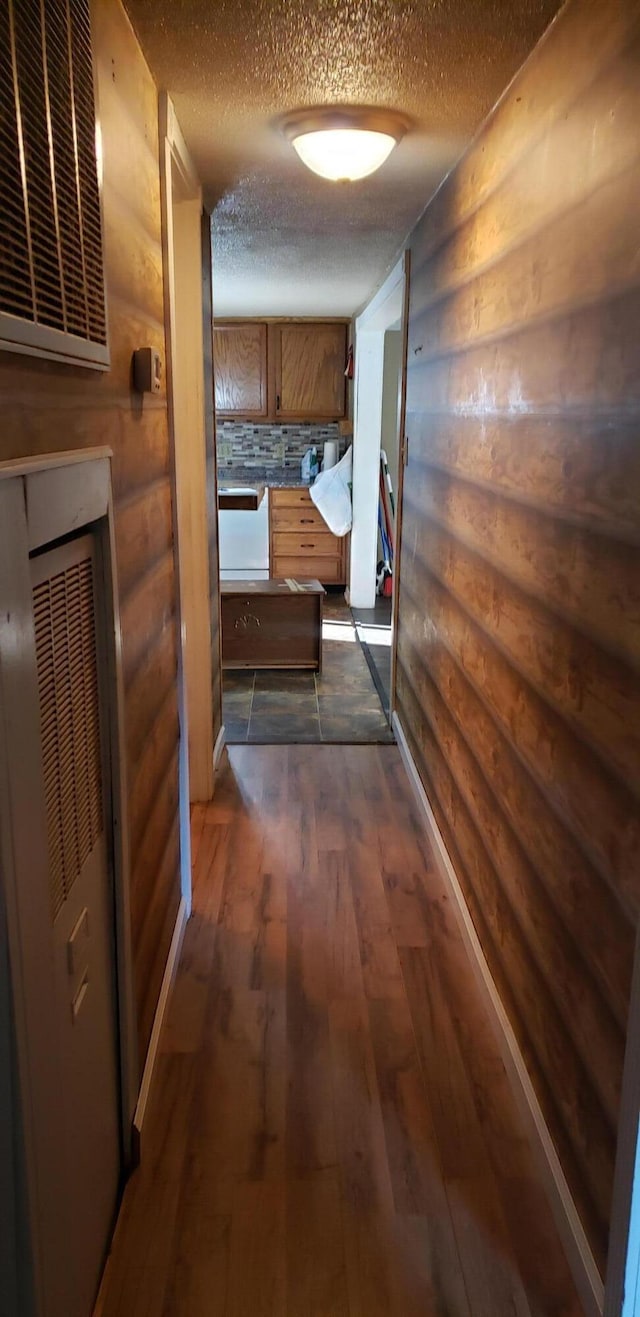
(331, 1132)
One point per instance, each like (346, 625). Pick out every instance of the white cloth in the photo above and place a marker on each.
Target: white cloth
(331, 493)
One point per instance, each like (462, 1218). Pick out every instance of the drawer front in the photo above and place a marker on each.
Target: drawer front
(304, 518)
(291, 498)
(301, 544)
(329, 571)
(262, 630)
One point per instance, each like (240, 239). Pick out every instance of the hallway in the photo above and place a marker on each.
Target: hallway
(331, 1132)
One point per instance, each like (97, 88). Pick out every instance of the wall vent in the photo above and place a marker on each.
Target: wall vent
(51, 265)
(67, 665)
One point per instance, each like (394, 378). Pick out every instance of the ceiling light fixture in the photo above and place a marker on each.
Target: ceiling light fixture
(343, 142)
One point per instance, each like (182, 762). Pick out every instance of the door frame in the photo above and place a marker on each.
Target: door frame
(42, 500)
(389, 305)
(622, 1286)
(181, 198)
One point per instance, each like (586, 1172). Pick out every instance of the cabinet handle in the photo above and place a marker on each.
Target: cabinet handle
(306, 521)
(277, 402)
(307, 546)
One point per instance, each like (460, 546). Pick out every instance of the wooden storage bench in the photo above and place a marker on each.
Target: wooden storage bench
(266, 624)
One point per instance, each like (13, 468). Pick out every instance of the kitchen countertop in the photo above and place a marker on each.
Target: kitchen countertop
(258, 478)
(252, 478)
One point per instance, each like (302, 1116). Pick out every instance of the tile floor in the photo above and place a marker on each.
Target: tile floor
(374, 632)
(340, 705)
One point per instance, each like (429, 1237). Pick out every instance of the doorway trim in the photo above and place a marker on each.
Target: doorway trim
(389, 305)
(41, 500)
(622, 1285)
(181, 196)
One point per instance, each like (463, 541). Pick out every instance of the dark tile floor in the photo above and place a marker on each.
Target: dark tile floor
(340, 705)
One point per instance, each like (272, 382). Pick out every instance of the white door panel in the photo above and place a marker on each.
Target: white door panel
(86, 1118)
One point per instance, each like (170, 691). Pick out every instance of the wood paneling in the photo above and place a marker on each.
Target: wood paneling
(47, 407)
(332, 1132)
(518, 678)
(241, 369)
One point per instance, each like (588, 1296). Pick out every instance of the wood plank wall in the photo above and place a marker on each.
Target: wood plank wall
(47, 407)
(519, 661)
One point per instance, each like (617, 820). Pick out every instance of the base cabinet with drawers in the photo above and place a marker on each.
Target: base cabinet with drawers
(300, 542)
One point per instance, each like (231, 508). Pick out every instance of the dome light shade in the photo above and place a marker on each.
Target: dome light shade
(343, 143)
(344, 153)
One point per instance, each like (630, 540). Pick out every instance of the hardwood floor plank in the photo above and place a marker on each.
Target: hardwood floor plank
(316, 1268)
(239, 1104)
(366, 1183)
(419, 1192)
(378, 947)
(310, 1127)
(198, 1277)
(344, 968)
(257, 1268)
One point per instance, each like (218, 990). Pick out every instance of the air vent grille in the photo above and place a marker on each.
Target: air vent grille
(51, 266)
(67, 666)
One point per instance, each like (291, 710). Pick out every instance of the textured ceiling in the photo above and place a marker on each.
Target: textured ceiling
(285, 241)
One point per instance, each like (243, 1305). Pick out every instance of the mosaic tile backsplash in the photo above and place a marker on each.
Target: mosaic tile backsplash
(243, 444)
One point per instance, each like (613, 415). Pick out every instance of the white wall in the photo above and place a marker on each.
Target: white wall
(366, 463)
(382, 313)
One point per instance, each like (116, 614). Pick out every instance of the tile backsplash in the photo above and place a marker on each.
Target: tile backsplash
(271, 447)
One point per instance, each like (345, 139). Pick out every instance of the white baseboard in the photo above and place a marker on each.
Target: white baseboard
(579, 1254)
(218, 747)
(158, 1019)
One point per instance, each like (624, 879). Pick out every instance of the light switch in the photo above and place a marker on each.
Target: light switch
(147, 370)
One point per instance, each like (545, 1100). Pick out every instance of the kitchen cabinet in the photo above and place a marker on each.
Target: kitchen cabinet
(300, 542)
(280, 370)
(309, 365)
(240, 360)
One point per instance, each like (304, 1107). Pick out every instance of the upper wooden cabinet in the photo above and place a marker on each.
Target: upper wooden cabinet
(309, 364)
(240, 363)
(280, 370)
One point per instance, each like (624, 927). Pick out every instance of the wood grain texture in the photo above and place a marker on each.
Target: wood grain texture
(300, 544)
(309, 362)
(518, 678)
(331, 1132)
(48, 407)
(240, 352)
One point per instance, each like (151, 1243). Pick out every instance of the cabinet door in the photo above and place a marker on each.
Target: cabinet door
(240, 365)
(310, 362)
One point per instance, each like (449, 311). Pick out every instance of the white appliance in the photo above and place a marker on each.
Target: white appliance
(243, 540)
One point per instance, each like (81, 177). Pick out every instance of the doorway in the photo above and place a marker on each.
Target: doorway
(65, 955)
(380, 391)
(374, 625)
(186, 356)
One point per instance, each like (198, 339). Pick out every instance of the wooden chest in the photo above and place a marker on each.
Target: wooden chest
(300, 542)
(266, 624)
